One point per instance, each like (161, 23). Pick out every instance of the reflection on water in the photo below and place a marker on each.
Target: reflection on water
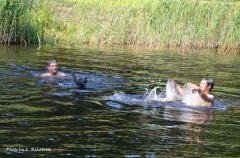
(124, 110)
(198, 116)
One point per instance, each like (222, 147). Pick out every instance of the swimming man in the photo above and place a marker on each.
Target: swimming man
(53, 70)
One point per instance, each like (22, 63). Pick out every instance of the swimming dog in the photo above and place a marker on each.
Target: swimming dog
(79, 82)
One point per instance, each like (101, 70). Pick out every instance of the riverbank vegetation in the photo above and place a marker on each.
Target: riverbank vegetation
(153, 24)
(16, 25)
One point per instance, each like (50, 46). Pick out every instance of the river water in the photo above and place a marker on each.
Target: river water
(123, 110)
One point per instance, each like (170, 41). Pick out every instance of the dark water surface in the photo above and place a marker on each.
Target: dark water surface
(117, 114)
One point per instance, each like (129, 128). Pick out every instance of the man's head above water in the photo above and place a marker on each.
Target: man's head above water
(210, 82)
(53, 70)
(53, 67)
(51, 62)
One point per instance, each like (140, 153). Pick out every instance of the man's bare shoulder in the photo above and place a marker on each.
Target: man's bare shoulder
(59, 74)
(210, 96)
(212, 99)
(45, 75)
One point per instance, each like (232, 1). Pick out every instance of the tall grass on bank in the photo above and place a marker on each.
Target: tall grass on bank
(153, 23)
(149, 23)
(17, 22)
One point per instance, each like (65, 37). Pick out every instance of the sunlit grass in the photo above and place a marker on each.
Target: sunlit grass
(152, 24)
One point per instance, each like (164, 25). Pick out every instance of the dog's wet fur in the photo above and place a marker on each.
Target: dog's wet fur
(79, 81)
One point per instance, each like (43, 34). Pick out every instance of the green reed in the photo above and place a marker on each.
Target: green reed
(19, 22)
(153, 24)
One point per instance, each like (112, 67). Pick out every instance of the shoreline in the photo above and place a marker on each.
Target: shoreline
(137, 48)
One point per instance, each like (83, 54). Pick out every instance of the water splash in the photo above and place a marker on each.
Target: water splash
(153, 94)
(147, 99)
(171, 92)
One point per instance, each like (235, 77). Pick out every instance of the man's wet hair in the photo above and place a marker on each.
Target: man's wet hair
(209, 82)
(51, 61)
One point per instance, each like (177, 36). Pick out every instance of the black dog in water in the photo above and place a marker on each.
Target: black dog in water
(79, 82)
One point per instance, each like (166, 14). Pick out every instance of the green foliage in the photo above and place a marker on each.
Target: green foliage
(21, 22)
(14, 19)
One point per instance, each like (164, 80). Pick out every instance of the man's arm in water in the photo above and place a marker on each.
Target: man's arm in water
(179, 89)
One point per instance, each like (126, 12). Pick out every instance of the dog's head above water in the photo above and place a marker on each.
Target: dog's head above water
(79, 82)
